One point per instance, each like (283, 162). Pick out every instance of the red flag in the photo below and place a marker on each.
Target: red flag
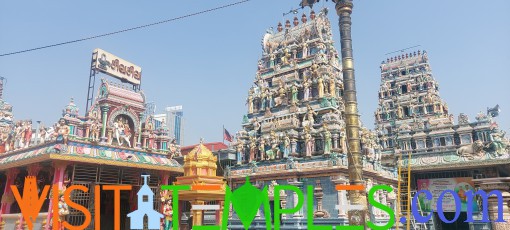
(226, 135)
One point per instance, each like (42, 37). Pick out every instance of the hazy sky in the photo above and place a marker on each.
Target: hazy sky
(208, 62)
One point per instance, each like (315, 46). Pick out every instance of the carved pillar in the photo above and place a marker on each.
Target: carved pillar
(58, 179)
(341, 195)
(138, 143)
(164, 178)
(384, 201)
(504, 188)
(110, 136)
(283, 202)
(87, 132)
(144, 144)
(8, 197)
(197, 214)
(335, 141)
(298, 214)
(219, 213)
(319, 195)
(104, 110)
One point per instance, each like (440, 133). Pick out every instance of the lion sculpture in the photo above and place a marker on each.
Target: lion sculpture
(472, 150)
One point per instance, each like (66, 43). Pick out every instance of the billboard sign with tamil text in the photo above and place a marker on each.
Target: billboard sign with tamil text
(114, 66)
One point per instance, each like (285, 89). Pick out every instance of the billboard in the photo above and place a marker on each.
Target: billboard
(114, 66)
(174, 108)
(459, 185)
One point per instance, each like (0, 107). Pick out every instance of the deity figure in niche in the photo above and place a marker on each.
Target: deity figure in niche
(308, 142)
(168, 212)
(94, 130)
(286, 146)
(62, 131)
(122, 131)
(320, 86)
(306, 88)
(332, 87)
(294, 91)
(27, 133)
(327, 140)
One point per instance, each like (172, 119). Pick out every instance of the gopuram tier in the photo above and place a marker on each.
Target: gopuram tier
(294, 131)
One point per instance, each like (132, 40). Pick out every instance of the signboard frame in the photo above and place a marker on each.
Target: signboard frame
(114, 66)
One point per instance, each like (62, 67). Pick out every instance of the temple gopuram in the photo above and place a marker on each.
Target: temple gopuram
(113, 144)
(294, 131)
(433, 151)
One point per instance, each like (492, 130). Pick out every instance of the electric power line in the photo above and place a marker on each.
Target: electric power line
(126, 30)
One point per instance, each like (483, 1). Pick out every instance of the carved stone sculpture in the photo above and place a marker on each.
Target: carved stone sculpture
(471, 151)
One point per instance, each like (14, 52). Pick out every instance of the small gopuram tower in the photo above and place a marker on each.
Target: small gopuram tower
(434, 152)
(206, 188)
(409, 100)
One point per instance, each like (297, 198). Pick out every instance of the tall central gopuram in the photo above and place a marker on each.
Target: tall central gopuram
(294, 131)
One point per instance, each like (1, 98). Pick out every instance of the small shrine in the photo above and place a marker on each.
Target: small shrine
(113, 143)
(200, 167)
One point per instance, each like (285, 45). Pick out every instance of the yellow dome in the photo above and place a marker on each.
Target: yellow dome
(201, 151)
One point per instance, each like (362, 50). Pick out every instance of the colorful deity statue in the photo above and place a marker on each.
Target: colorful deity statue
(18, 135)
(62, 131)
(286, 146)
(168, 213)
(400, 112)
(263, 100)
(269, 99)
(27, 133)
(121, 131)
(309, 117)
(43, 134)
(320, 86)
(95, 128)
(332, 87)
(286, 56)
(63, 211)
(262, 148)
(305, 49)
(315, 69)
(294, 92)
(281, 90)
(327, 140)
(309, 142)
(306, 88)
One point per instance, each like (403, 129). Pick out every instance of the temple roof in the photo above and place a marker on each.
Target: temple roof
(89, 153)
(121, 94)
(125, 93)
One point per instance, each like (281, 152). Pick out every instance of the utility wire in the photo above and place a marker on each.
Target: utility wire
(126, 30)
